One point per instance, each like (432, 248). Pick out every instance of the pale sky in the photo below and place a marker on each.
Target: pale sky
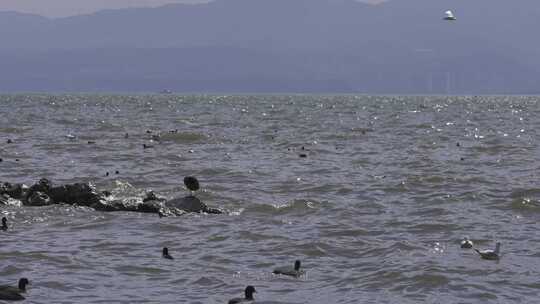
(62, 8)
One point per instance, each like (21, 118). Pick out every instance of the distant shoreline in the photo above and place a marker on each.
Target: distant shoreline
(67, 93)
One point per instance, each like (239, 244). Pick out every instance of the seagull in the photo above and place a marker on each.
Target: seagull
(489, 254)
(466, 243)
(450, 16)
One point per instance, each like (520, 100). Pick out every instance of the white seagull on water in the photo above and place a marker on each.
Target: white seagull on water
(466, 243)
(489, 254)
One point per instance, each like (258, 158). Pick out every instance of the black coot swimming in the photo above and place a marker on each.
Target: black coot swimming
(293, 272)
(166, 254)
(248, 296)
(191, 183)
(4, 224)
(9, 293)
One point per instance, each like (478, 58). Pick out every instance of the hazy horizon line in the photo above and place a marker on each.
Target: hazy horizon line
(45, 12)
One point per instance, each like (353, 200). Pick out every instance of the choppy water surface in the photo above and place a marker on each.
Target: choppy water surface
(375, 211)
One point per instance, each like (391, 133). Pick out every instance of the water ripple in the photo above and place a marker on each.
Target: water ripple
(372, 193)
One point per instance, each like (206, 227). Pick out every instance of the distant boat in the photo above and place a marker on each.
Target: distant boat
(165, 92)
(449, 16)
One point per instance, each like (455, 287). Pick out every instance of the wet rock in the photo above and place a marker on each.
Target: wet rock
(190, 204)
(16, 191)
(44, 193)
(4, 198)
(151, 196)
(42, 186)
(84, 194)
(213, 211)
(38, 198)
(165, 212)
(79, 193)
(108, 206)
(149, 207)
(119, 205)
(9, 201)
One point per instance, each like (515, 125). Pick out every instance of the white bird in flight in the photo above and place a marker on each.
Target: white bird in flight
(449, 16)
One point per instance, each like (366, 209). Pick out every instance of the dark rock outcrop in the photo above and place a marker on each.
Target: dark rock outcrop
(4, 198)
(38, 198)
(44, 193)
(79, 193)
(85, 194)
(191, 204)
(16, 191)
(42, 186)
(119, 205)
(151, 196)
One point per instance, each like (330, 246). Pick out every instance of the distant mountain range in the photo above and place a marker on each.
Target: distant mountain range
(318, 46)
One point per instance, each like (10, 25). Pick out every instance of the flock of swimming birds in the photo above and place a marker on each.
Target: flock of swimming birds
(11, 293)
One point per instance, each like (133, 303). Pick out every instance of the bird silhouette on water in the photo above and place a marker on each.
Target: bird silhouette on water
(191, 183)
(9, 293)
(248, 296)
(293, 272)
(166, 254)
(4, 224)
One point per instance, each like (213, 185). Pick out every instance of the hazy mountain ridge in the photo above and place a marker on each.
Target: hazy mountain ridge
(397, 46)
